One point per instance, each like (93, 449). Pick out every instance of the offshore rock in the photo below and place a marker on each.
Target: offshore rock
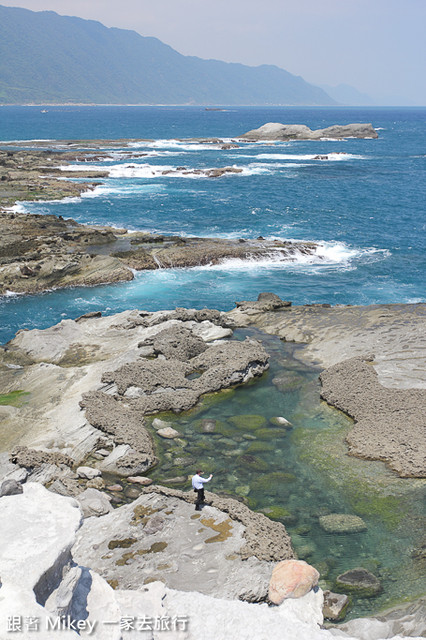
(278, 131)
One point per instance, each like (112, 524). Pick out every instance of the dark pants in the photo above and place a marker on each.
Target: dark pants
(200, 499)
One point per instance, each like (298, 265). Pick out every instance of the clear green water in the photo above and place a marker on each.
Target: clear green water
(305, 472)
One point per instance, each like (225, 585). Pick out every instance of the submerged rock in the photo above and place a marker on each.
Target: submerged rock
(168, 433)
(248, 422)
(291, 579)
(342, 523)
(360, 582)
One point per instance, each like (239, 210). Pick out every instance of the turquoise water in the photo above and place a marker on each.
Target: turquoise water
(300, 474)
(365, 206)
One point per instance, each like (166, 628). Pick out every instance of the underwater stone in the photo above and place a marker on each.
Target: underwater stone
(269, 434)
(360, 582)
(168, 433)
(139, 480)
(248, 421)
(251, 462)
(278, 513)
(160, 424)
(342, 523)
(279, 421)
(259, 447)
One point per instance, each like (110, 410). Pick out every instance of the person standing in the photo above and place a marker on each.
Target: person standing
(198, 486)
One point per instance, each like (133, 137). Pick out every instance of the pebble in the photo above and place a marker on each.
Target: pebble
(115, 487)
(139, 480)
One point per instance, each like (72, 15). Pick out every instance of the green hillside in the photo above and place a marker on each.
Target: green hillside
(47, 58)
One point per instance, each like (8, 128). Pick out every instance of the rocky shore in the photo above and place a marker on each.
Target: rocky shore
(40, 252)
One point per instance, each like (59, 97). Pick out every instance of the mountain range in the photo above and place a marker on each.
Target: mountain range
(46, 58)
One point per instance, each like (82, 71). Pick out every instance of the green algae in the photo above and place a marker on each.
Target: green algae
(259, 447)
(248, 422)
(14, 398)
(277, 512)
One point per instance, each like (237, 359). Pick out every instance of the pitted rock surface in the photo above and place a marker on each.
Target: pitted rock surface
(353, 387)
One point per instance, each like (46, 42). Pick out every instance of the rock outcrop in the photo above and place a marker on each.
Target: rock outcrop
(353, 387)
(278, 131)
(386, 395)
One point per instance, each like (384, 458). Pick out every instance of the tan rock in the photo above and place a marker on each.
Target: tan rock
(140, 480)
(168, 433)
(291, 579)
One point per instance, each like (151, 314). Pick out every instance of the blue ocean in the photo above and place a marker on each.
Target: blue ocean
(364, 205)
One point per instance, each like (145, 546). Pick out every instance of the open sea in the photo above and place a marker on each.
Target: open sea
(365, 205)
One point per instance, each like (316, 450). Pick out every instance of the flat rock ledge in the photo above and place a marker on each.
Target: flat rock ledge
(278, 131)
(264, 538)
(398, 415)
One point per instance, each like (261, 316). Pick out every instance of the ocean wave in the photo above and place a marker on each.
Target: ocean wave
(149, 171)
(120, 190)
(177, 144)
(323, 157)
(31, 140)
(328, 255)
(17, 208)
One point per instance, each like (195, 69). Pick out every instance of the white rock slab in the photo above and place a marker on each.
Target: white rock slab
(37, 528)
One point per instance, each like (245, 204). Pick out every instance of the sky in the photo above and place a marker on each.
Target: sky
(377, 46)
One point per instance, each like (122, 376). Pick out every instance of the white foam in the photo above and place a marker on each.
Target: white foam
(31, 140)
(149, 171)
(333, 156)
(177, 144)
(17, 208)
(327, 255)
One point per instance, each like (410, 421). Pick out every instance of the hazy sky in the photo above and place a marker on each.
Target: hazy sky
(377, 46)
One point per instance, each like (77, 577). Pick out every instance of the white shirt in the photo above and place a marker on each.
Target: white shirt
(198, 481)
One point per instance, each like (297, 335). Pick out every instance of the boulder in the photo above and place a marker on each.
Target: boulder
(94, 503)
(168, 433)
(291, 579)
(342, 523)
(139, 480)
(96, 483)
(279, 131)
(88, 473)
(10, 488)
(335, 605)
(160, 424)
(279, 421)
(360, 582)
